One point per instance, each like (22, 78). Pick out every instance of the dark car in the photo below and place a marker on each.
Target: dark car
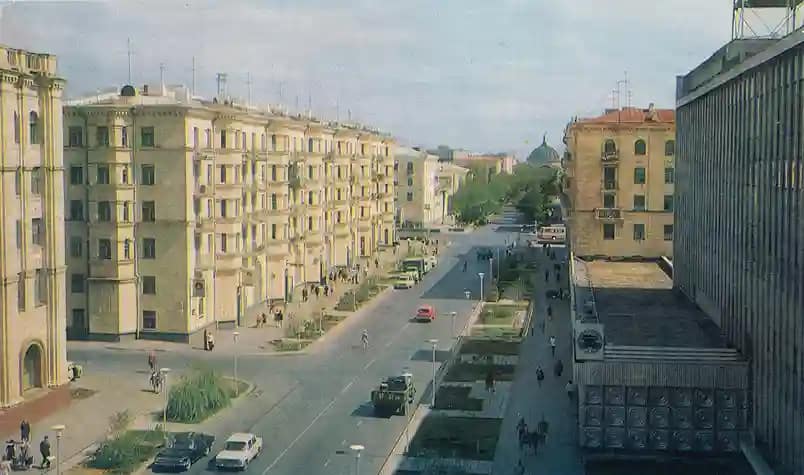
(185, 449)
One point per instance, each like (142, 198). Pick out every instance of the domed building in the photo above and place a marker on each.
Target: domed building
(544, 155)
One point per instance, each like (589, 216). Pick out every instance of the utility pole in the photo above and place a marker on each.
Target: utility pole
(192, 86)
(248, 86)
(128, 46)
(162, 78)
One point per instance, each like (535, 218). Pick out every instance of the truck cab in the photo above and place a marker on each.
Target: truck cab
(394, 395)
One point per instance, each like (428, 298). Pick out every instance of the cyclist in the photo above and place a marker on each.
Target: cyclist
(364, 339)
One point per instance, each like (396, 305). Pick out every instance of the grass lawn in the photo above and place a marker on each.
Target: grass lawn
(457, 397)
(471, 372)
(477, 346)
(456, 437)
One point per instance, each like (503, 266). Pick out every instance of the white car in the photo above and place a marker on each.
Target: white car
(238, 450)
(403, 281)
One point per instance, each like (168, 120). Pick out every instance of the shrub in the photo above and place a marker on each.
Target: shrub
(198, 396)
(119, 421)
(126, 451)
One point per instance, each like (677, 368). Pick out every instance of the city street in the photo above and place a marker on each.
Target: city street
(310, 408)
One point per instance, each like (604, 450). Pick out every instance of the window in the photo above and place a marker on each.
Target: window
(102, 136)
(273, 201)
(362, 149)
(124, 136)
(640, 147)
(36, 180)
(668, 232)
(338, 217)
(609, 200)
(669, 175)
(33, 125)
(410, 196)
(263, 143)
(273, 231)
(149, 211)
(639, 232)
(273, 172)
(609, 147)
(75, 136)
(338, 194)
(223, 174)
(149, 248)
(104, 249)
(310, 222)
(273, 142)
(104, 211)
(223, 209)
(310, 172)
(16, 127)
(37, 232)
(224, 245)
(76, 246)
(149, 320)
(207, 138)
(103, 175)
(40, 295)
(147, 138)
(639, 202)
(639, 176)
(18, 181)
(21, 291)
(124, 175)
(76, 210)
(608, 231)
(362, 211)
(410, 181)
(669, 148)
(127, 249)
(310, 198)
(149, 285)
(223, 139)
(668, 202)
(79, 318)
(310, 145)
(409, 168)
(148, 175)
(77, 283)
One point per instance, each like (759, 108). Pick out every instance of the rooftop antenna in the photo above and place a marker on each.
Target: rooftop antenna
(627, 89)
(162, 78)
(751, 15)
(309, 105)
(221, 79)
(297, 103)
(248, 85)
(350, 114)
(128, 47)
(192, 86)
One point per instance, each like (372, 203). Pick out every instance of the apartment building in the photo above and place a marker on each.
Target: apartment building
(619, 183)
(487, 165)
(32, 324)
(182, 212)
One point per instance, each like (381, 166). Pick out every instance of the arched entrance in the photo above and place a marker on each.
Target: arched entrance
(32, 367)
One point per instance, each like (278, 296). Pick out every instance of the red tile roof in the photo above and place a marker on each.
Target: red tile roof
(632, 115)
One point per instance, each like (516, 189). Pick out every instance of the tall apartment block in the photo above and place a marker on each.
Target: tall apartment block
(32, 290)
(619, 179)
(739, 247)
(182, 213)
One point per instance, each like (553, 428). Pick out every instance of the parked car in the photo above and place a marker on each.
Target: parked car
(184, 449)
(238, 451)
(403, 281)
(425, 313)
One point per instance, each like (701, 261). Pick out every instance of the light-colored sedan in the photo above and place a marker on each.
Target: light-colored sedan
(238, 451)
(403, 281)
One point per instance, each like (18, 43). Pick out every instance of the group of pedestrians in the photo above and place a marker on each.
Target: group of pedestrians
(17, 454)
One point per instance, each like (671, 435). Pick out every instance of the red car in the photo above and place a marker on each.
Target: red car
(426, 313)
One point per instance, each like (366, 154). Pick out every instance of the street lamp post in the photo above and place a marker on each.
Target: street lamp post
(491, 268)
(481, 275)
(59, 429)
(408, 376)
(236, 384)
(453, 315)
(433, 342)
(164, 372)
(356, 448)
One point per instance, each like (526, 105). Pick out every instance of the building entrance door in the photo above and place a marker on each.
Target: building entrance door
(32, 368)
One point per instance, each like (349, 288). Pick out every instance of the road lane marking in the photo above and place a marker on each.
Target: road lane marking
(298, 437)
(359, 422)
(369, 364)
(326, 463)
(346, 388)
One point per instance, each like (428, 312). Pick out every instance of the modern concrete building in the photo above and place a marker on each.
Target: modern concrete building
(619, 174)
(739, 247)
(185, 212)
(656, 380)
(32, 292)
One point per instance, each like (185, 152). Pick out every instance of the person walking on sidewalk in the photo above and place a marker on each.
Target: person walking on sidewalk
(44, 450)
(210, 342)
(464, 266)
(490, 380)
(547, 275)
(539, 375)
(550, 312)
(553, 345)
(152, 360)
(558, 368)
(570, 389)
(25, 431)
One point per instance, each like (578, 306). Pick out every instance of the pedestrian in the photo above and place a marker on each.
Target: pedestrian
(44, 450)
(206, 341)
(520, 468)
(317, 291)
(547, 276)
(539, 375)
(490, 380)
(570, 389)
(558, 369)
(553, 344)
(464, 266)
(520, 426)
(25, 431)
(326, 290)
(558, 276)
(376, 263)
(550, 312)
(210, 342)
(152, 360)
(304, 294)
(264, 319)
(5, 467)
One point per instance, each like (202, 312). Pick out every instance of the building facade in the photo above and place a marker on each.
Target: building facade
(419, 204)
(32, 292)
(739, 248)
(182, 213)
(619, 181)
(487, 164)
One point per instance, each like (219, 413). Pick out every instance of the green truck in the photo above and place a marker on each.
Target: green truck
(394, 395)
(419, 264)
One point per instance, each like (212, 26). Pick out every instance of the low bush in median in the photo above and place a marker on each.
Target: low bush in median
(127, 451)
(198, 396)
(353, 299)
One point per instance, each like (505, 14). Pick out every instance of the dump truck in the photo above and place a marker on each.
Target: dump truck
(394, 395)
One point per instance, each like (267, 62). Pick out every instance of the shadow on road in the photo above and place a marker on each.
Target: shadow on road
(455, 282)
(427, 355)
(367, 410)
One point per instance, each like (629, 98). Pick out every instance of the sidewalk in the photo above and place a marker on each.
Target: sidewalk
(560, 453)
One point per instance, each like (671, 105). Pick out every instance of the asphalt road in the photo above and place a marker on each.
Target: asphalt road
(309, 409)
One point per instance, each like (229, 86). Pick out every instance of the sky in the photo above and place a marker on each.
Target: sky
(482, 75)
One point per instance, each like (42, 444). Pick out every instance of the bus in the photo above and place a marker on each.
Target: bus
(555, 234)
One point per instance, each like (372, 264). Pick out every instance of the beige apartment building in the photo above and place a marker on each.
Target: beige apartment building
(182, 213)
(620, 170)
(487, 164)
(424, 188)
(32, 299)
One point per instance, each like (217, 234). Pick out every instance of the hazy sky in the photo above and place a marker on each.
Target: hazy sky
(486, 75)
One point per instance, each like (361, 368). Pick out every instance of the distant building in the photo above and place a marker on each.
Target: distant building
(544, 156)
(33, 351)
(424, 188)
(619, 183)
(488, 164)
(739, 247)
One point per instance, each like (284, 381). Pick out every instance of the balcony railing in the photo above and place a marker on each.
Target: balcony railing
(610, 157)
(609, 213)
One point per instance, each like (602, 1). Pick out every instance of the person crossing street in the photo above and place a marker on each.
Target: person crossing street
(553, 345)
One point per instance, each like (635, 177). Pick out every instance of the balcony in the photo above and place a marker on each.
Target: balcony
(609, 214)
(610, 157)
(609, 184)
(107, 269)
